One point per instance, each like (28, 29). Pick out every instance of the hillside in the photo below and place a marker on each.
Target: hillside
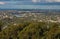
(31, 30)
(29, 25)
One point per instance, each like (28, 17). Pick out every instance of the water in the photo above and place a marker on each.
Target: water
(30, 6)
(20, 5)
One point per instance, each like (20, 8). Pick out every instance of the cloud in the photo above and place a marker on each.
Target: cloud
(36, 0)
(2, 3)
(46, 0)
(52, 0)
(56, 0)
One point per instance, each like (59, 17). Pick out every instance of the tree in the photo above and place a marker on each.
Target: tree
(1, 24)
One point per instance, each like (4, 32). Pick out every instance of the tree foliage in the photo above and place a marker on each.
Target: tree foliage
(31, 30)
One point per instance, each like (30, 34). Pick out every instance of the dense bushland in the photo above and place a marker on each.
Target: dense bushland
(30, 30)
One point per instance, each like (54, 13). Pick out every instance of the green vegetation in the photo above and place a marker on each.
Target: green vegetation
(30, 30)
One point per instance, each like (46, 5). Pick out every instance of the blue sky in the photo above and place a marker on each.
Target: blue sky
(29, 4)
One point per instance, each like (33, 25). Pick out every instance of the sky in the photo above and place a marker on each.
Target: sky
(29, 4)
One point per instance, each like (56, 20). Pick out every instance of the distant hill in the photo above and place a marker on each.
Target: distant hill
(36, 10)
